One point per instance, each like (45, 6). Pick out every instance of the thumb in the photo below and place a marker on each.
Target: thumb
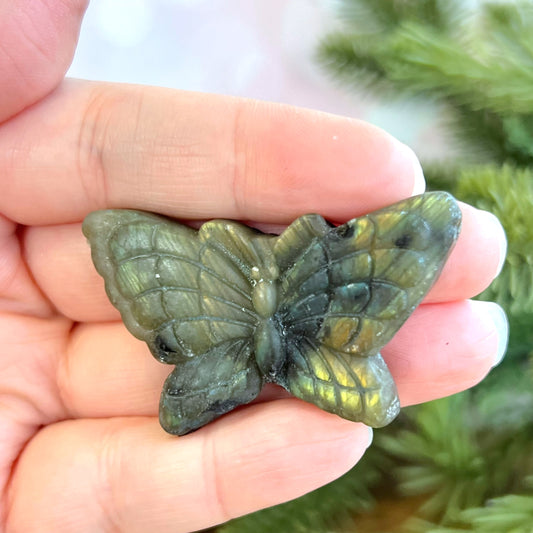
(37, 42)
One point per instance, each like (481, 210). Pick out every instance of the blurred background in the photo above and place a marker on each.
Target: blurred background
(454, 80)
(256, 49)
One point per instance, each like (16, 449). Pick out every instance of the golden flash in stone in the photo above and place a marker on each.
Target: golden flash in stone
(310, 309)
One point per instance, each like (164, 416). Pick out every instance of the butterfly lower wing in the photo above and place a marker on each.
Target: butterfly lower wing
(174, 290)
(203, 388)
(356, 388)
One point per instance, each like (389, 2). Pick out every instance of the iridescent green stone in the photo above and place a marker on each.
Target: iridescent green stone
(310, 310)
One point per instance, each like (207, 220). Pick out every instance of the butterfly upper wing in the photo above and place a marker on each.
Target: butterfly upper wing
(179, 290)
(347, 293)
(353, 286)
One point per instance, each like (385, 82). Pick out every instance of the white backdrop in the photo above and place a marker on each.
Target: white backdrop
(255, 48)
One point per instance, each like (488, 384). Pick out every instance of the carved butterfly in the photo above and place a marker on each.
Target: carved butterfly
(309, 310)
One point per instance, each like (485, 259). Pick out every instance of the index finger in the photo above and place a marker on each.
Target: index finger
(189, 155)
(37, 44)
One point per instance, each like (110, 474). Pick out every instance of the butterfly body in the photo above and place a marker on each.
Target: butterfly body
(269, 348)
(309, 310)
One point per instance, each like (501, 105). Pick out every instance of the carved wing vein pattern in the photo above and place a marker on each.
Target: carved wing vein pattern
(189, 261)
(177, 288)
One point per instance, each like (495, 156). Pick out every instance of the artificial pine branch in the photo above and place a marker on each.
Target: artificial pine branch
(460, 451)
(352, 57)
(475, 68)
(482, 136)
(507, 514)
(378, 16)
(439, 456)
(508, 193)
(425, 61)
(480, 69)
(511, 513)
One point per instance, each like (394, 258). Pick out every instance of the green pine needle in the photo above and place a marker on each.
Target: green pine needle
(507, 514)
(376, 16)
(482, 69)
(439, 456)
(508, 193)
(480, 66)
(353, 61)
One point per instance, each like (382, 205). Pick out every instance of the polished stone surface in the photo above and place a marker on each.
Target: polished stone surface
(310, 309)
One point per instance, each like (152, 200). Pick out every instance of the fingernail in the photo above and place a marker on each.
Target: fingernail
(420, 182)
(370, 437)
(496, 228)
(404, 162)
(501, 324)
(419, 185)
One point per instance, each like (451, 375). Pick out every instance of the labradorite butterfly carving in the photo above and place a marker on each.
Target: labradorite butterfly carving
(310, 309)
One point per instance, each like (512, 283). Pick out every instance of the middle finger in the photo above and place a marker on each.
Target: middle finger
(441, 349)
(79, 294)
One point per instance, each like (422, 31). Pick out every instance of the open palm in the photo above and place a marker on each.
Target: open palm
(80, 444)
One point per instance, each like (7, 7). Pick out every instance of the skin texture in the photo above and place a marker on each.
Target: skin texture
(79, 394)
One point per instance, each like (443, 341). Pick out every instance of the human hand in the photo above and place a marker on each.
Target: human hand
(80, 444)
